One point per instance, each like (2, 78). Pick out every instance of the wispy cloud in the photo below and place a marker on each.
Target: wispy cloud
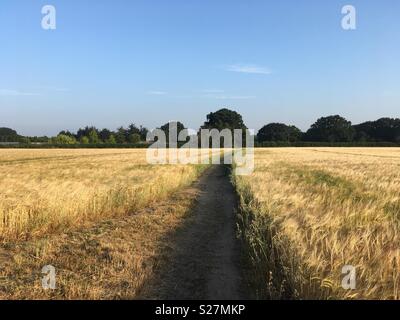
(248, 68)
(157, 93)
(52, 88)
(15, 93)
(229, 97)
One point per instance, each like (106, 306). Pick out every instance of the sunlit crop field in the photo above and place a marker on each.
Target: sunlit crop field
(48, 190)
(308, 212)
(305, 214)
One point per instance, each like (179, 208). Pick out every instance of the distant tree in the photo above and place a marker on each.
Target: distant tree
(384, 129)
(25, 140)
(134, 138)
(105, 134)
(7, 132)
(331, 129)
(84, 140)
(224, 119)
(9, 135)
(361, 136)
(36, 139)
(93, 137)
(64, 139)
(85, 132)
(180, 126)
(279, 132)
(143, 133)
(111, 139)
(120, 135)
(132, 129)
(82, 132)
(66, 133)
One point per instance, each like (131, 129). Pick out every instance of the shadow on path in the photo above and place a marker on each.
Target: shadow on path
(204, 259)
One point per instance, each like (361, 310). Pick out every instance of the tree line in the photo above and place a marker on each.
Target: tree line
(91, 135)
(331, 129)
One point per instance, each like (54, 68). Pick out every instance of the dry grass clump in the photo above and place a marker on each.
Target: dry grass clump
(45, 191)
(308, 212)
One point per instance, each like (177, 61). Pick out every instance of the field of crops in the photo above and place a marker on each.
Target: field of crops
(307, 212)
(103, 218)
(304, 214)
(43, 191)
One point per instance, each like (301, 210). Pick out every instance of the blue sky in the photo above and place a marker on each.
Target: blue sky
(110, 63)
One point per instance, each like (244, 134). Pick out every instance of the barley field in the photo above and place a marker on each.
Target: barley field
(106, 219)
(306, 213)
(45, 191)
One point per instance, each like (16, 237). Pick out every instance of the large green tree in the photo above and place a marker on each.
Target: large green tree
(224, 119)
(384, 129)
(64, 139)
(9, 135)
(331, 129)
(279, 132)
(180, 126)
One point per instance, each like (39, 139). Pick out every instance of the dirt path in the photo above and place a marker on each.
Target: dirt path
(205, 260)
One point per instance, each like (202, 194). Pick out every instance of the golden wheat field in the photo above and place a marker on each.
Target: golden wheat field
(48, 190)
(304, 214)
(105, 219)
(308, 212)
